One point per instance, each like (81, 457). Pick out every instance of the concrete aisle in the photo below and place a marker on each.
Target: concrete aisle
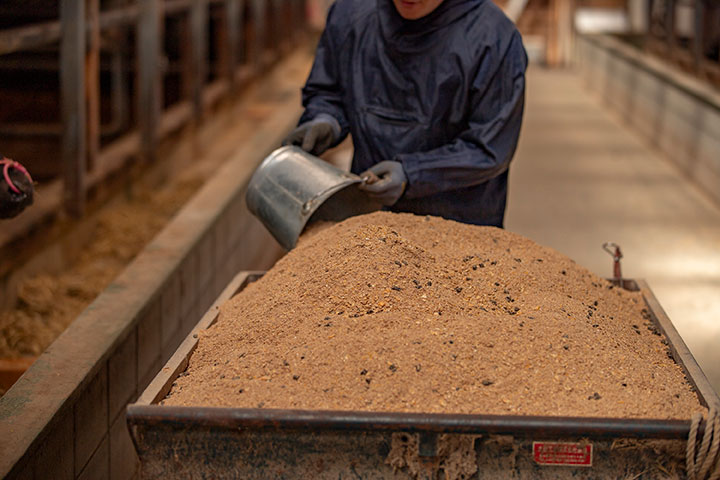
(581, 178)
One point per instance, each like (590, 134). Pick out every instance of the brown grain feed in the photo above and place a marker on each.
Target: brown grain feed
(48, 303)
(395, 312)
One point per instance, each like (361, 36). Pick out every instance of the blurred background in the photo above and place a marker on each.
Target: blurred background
(142, 120)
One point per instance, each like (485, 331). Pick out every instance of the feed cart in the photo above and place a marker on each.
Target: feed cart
(202, 442)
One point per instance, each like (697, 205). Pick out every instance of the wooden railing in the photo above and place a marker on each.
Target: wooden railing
(246, 36)
(692, 44)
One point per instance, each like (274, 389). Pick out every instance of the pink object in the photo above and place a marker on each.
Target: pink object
(7, 163)
(563, 453)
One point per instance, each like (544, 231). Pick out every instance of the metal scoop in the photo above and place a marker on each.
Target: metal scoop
(291, 189)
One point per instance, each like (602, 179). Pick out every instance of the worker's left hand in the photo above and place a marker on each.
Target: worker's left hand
(390, 182)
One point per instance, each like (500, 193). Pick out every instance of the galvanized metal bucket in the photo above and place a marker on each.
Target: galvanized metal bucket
(292, 188)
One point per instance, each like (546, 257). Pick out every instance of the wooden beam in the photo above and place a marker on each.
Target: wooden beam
(274, 27)
(24, 38)
(72, 99)
(199, 42)
(259, 27)
(174, 7)
(698, 44)
(219, 42)
(281, 29)
(120, 96)
(290, 22)
(233, 22)
(551, 49)
(92, 82)
(46, 33)
(287, 21)
(566, 29)
(149, 75)
(119, 17)
(186, 58)
(300, 17)
(559, 32)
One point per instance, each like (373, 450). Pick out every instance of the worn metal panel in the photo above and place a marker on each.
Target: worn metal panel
(171, 451)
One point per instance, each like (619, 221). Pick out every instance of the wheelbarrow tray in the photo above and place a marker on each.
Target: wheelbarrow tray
(259, 443)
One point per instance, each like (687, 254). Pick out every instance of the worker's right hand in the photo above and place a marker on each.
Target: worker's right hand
(314, 136)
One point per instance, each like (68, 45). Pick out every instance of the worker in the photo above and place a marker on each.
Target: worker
(16, 188)
(432, 93)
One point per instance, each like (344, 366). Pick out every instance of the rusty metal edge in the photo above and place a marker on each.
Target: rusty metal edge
(318, 420)
(144, 413)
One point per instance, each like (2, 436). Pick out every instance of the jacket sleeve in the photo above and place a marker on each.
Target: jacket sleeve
(485, 148)
(323, 92)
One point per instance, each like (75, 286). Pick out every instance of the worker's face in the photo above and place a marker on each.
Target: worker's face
(414, 9)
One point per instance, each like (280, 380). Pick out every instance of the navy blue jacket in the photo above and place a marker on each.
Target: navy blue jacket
(443, 95)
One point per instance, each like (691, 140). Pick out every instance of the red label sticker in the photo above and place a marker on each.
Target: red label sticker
(556, 453)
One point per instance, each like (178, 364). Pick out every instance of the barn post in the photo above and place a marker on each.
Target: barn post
(72, 104)
(259, 18)
(92, 83)
(232, 14)
(149, 75)
(199, 37)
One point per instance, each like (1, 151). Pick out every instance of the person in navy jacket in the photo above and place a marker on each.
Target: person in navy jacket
(432, 92)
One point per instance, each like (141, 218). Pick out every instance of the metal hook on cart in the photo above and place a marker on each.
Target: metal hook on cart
(614, 250)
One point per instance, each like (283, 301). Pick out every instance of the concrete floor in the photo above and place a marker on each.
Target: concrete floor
(581, 178)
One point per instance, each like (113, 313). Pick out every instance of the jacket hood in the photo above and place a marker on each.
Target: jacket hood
(408, 36)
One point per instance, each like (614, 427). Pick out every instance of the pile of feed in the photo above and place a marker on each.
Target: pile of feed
(395, 312)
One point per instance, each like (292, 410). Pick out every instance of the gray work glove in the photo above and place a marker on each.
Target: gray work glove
(314, 136)
(384, 182)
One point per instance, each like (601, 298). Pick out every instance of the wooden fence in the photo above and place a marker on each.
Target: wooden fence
(209, 47)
